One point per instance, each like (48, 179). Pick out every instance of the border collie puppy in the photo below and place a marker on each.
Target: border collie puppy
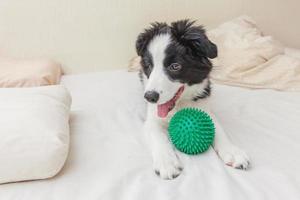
(175, 72)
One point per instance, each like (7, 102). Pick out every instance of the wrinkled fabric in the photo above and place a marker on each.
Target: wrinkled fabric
(247, 58)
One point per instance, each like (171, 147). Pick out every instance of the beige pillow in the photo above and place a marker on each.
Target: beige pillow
(28, 73)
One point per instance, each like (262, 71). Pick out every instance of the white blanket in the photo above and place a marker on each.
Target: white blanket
(109, 159)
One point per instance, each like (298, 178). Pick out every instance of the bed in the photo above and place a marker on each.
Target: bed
(109, 159)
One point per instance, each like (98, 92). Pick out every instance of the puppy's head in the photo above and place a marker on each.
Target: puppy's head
(172, 58)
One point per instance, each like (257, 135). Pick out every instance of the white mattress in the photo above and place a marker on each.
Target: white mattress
(109, 160)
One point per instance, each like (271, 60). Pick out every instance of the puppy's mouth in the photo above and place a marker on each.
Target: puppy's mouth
(164, 109)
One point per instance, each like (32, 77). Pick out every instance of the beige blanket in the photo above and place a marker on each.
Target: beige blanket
(247, 58)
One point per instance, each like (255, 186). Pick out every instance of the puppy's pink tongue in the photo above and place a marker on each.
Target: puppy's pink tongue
(163, 109)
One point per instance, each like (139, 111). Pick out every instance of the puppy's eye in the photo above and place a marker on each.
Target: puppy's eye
(174, 67)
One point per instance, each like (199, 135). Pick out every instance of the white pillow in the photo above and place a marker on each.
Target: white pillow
(34, 132)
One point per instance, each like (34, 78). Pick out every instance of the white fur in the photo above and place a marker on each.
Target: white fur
(165, 161)
(158, 80)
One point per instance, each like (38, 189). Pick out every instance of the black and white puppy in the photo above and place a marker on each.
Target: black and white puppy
(175, 71)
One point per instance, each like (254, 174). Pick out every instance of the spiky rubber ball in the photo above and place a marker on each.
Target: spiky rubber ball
(191, 130)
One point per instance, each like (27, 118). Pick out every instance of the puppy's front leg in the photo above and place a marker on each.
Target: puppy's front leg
(165, 161)
(228, 152)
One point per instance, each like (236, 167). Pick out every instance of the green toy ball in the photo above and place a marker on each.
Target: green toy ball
(191, 131)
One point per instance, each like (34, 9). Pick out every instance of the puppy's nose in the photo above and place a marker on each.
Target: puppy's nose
(151, 96)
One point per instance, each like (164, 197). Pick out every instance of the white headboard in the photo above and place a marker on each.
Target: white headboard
(93, 35)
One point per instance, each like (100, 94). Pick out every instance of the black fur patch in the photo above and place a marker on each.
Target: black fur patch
(194, 38)
(194, 68)
(146, 63)
(206, 93)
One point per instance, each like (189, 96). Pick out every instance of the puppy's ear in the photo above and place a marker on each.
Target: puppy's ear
(145, 37)
(194, 37)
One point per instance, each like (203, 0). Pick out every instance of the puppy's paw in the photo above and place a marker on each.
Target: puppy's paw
(167, 166)
(234, 157)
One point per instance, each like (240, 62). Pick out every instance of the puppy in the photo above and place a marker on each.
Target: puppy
(175, 72)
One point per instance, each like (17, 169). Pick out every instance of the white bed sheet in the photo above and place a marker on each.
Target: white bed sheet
(109, 160)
